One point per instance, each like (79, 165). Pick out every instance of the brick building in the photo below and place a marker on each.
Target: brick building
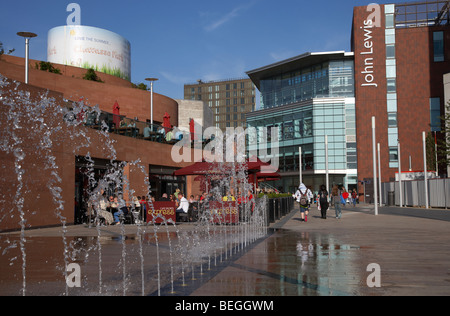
(229, 100)
(401, 56)
(154, 157)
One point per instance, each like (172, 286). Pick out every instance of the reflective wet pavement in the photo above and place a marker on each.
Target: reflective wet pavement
(331, 257)
(320, 257)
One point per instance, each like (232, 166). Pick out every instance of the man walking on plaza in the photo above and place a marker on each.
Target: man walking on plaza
(304, 196)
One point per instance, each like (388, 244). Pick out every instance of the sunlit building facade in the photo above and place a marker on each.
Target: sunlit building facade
(307, 97)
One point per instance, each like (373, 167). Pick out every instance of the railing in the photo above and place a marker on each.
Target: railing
(121, 125)
(277, 208)
(413, 193)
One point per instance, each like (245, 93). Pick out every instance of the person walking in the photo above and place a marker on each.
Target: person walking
(303, 196)
(323, 201)
(354, 197)
(336, 197)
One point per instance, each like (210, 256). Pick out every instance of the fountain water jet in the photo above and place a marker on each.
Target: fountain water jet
(211, 238)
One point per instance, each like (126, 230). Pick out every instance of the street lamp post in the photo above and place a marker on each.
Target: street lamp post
(152, 80)
(327, 175)
(300, 164)
(27, 36)
(400, 173)
(379, 173)
(374, 152)
(425, 169)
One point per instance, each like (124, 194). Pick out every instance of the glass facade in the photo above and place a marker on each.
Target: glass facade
(305, 105)
(391, 79)
(324, 80)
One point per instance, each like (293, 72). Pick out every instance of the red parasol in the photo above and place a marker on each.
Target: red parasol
(199, 168)
(166, 123)
(268, 176)
(116, 114)
(192, 129)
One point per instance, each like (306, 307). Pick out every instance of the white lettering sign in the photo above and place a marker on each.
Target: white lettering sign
(374, 279)
(373, 20)
(73, 279)
(75, 17)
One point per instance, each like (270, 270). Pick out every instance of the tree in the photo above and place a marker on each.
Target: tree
(2, 51)
(91, 75)
(141, 86)
(46, 66)
(444, 143)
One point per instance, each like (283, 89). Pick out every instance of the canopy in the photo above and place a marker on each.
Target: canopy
(214, 168)
(268, 176)
(200, 168)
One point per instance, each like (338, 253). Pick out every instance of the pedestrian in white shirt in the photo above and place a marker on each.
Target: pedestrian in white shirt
(183, 207)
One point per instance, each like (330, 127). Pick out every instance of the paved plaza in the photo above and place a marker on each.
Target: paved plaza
(330, 257)
(409, 246)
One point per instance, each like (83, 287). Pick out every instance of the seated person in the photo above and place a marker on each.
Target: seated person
(164, 198)
(169, 136)
(147, 131)
(116, 210)
(161, 130)
(161, 133)
(178, 135)
(229, 197)
(183, 207)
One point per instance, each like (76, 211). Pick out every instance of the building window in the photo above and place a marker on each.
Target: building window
(438, 45)
(390, 51)
(392, 119)
(391, 85)
(435, 114)
(391, 71)
(390, 36)
(393, 157)
(389, 21)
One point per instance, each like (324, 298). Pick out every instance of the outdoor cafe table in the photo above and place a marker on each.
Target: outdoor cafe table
(127, 131)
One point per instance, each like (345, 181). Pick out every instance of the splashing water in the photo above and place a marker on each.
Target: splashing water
(199, 245)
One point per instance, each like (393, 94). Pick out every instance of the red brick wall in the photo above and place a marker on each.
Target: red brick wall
(418, 79)
(39, 207)
(370, 100)
(132, 102)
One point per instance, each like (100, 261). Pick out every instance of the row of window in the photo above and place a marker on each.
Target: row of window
(228, 86)
(328, 79)
(438, 56)
(391, 78)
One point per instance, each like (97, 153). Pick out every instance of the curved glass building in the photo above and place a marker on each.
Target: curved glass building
(307, 97)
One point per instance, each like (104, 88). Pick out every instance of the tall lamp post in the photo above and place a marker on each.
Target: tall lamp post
(27, 36)
(300, 164)
(374, 152)
(152, 80)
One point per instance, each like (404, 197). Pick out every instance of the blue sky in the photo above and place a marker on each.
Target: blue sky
(181, 41)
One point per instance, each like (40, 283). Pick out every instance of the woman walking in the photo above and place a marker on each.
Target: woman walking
(336, 196)
(323, 201)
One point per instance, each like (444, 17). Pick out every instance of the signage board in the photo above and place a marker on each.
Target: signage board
(90, 47)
